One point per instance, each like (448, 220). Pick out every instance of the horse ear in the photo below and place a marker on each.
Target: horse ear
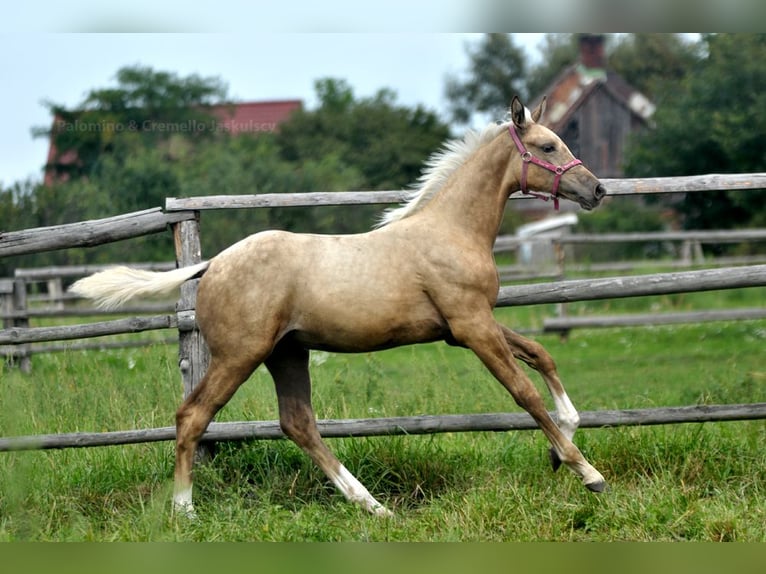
(518, 113)
(539, 110)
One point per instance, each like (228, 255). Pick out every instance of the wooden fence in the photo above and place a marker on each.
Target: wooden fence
(19, 304)
(691, 255)
(182, 215)
(20, 301)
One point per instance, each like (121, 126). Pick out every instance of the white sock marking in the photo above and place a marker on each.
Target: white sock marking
(568, 418)
(182, 503)
(355, 491)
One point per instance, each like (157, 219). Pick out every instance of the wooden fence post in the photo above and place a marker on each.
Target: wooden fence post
(6, 307)
(193, 353)
(20, 319)
(55, 290)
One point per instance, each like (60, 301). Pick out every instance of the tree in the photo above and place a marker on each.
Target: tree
(496, 73)
(712, 121)
(345, 144)
(386, 144)
(558, 52)
(653, 63)
(144, 109)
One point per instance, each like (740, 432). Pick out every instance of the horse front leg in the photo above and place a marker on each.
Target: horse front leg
(487, 339)
(534, 354)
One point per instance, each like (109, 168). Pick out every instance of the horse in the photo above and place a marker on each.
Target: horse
(426, 272)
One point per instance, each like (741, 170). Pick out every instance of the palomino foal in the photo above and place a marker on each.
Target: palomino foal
(426, 273)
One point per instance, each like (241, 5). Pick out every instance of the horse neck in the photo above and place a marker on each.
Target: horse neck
(474, 198)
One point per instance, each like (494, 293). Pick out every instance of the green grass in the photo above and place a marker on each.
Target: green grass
(679, 482)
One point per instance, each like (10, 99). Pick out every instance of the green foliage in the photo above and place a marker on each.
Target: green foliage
(712, 121)
(497, 69)
(653, 63)
(496, 73)
(384, 142)
(128, 162)
(136, 114)
(558, 51)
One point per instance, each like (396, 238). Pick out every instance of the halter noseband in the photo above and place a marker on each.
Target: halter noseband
(527, 158)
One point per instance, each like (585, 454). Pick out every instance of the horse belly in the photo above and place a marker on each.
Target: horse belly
(367, 324)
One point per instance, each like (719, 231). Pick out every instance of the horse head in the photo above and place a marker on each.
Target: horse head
(545, 162)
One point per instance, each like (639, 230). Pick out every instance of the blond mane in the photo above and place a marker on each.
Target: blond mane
(438, 169)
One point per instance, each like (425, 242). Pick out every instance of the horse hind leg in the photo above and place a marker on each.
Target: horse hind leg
(487, 339)
(534, 354)
(222, 379)
(289, 367)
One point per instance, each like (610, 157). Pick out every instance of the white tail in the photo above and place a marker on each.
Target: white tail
(116, 286)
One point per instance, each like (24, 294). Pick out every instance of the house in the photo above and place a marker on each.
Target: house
(234, 118)
(594, 110)
(254, 117)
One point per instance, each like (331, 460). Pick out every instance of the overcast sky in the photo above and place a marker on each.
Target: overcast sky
(63, 67)
(265, 49)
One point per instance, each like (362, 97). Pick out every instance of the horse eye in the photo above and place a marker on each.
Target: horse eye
(548, 148)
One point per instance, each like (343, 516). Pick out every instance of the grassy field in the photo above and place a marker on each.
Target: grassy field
(680, 482)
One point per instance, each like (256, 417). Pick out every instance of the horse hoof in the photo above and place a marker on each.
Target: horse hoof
(185, 510)
(383, 512)
(555, 460)
(598, 486)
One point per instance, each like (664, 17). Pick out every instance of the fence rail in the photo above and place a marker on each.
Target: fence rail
(513, 296)
(390, 426)
(565, 324)
(633, 286)
(636, 186)
(182, 215)
(89, 233)
(507, 242)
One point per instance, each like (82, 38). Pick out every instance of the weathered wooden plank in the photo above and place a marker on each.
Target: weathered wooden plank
(20, 322)
(88, 233)
(707, 182)
(415, 425)
(632, 286)
(508, 242)
(193, 354)
(307, 199)
(15, 336)
(702, 236)
(635, 186)
(11, 350)
(556, 292)
(654, 264)
(95, 346)
(565, 324)
(143, 309)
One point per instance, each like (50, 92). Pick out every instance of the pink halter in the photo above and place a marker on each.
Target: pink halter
(527, 158)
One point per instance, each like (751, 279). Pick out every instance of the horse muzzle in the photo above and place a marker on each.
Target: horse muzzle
(589, 203)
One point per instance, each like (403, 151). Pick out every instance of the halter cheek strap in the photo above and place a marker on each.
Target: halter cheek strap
(527, 158)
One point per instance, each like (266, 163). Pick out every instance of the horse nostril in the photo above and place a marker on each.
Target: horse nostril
(600, 192)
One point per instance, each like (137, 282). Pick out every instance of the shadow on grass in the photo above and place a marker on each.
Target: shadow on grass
(401, 472)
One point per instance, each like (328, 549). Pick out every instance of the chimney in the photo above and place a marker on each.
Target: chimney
(592, 51)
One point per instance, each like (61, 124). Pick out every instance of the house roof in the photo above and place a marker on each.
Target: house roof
(572, 87)
(236, 118)
(249, 117)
